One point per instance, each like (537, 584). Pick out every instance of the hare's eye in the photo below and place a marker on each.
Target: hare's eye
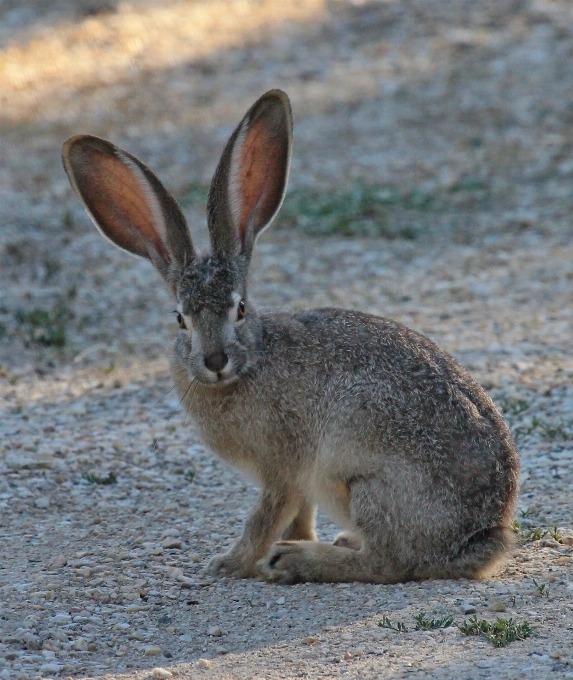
(181, 321)
(241, 310)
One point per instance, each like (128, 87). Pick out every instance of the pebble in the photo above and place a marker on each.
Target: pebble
(215, 631)
(175, 572)
(51, 668)
(152, 650)
(137, 608)
(496, 606)
(42, 503)
(204, 663)
(172, 543)
(161, 673)
(467, 608)
(32, 641)
(58, 561)
(81, 645)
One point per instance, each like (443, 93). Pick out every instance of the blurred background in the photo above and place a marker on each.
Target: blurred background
(431, 178)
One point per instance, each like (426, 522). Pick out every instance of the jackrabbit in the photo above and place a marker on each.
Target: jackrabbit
(349, 411)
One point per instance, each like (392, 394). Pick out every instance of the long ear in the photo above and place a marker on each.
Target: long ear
(250, 181)
(127, 202)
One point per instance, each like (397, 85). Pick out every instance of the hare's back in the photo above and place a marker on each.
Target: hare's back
(347, 365)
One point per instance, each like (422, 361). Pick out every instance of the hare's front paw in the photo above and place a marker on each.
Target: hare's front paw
(285, 563)
(232, 566)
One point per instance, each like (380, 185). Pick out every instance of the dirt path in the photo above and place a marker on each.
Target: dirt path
(445, 126)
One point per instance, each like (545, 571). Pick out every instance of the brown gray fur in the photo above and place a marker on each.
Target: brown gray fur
(347, 411)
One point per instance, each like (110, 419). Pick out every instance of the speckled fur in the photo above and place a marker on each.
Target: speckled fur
(339, 397)
(339, 409)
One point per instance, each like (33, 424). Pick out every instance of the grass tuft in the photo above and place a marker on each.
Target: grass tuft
(422, 623)
(542, 588)
(46, 327)
(562, 430)
(399, 626)
(513, 406)
(555, 533)
(500, 633)
(110, 478)
(362, 210)
(536, 533)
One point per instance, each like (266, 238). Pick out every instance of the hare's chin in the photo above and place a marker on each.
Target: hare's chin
(217, 381)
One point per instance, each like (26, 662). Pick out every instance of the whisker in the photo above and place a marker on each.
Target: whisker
(181, 400)
(193, 394)
(148, 410)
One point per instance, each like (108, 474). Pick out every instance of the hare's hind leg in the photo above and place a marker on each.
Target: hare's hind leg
(302, 526)
(302, 561)
(359, 554)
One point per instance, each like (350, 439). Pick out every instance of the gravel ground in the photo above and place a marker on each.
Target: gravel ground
(464, 103)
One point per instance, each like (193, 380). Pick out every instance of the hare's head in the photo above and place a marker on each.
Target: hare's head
(219, 330)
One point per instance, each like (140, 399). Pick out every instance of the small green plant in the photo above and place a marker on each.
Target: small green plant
(108, 370)
(422, 623)
(516, 526)
(45, 327)
(68, 221)
(195, 196)
(399, 626)
(500, 633)
(361, 210)
(472, 184)
(535, 534)
(560, 430)
(542, 588)
(513, 405)
(554, 532)
(92, 478)
(51, 268)
(190, 474)
(528, 512)
(18, 251)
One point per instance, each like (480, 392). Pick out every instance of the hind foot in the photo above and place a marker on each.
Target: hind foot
(303, 561)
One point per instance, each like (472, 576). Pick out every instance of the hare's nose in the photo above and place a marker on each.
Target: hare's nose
(216, 362)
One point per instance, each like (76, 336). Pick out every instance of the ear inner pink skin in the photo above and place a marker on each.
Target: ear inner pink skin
(260, 178)
(118, 200)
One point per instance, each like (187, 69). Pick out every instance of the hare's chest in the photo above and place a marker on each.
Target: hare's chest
(227, 431)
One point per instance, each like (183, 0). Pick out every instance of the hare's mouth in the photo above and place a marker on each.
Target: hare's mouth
(212, 379)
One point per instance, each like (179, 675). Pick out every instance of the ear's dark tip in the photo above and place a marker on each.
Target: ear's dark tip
(281, 95)
(84, 143)
(274, 98)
